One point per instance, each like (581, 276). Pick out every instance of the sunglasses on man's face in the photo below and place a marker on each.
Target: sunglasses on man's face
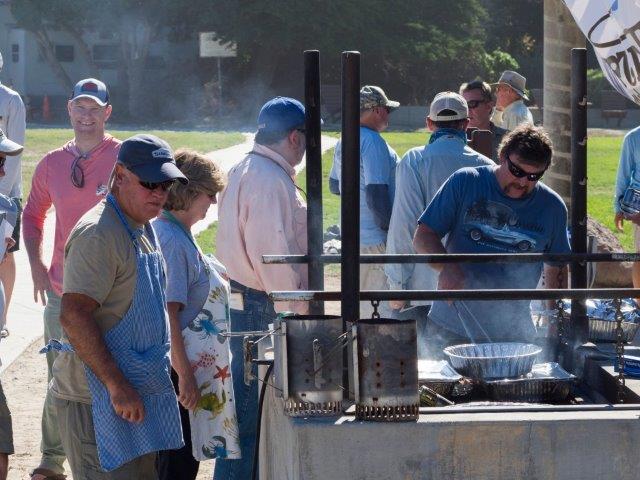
(164, 186)
(474, 103)
(517, 172)
(2, 160)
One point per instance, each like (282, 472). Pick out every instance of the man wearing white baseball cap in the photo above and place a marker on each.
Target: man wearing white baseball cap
(12, 123)
(510, 108)
(419, 175)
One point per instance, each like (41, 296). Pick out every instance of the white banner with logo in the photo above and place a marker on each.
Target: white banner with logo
(613, 28)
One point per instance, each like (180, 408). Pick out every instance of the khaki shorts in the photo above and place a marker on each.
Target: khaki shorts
(78, 439)
(6, 430)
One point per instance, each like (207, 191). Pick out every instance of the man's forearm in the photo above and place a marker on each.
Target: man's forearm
(33, 245)
(378, 201)
(555, 277)
(427, 241)
(76, 317)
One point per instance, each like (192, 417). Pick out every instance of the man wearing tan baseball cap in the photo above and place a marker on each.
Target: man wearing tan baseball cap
(377, 185)
(510, 108)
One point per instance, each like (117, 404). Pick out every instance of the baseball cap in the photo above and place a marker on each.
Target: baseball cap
(448, 101)
(9, 147)
(281, 114)
(93, 89)
(515, 81)
(372, 96)
(150, 158)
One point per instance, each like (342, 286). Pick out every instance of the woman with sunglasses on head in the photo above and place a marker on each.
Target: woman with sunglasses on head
(198, 305)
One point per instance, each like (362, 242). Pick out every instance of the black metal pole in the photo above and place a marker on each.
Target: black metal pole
(578, 330)
(350, 186)
(350, 199)
(493, 294)
(314, 173)
(464, 257)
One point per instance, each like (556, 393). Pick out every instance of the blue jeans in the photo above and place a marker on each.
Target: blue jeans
(258, 313)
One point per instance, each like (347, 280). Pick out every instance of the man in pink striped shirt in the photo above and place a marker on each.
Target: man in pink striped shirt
(72, 179)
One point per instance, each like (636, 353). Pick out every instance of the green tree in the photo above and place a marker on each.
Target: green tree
(413, 48)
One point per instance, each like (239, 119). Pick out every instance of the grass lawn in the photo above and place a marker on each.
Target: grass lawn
(603, 156)
(41, 140)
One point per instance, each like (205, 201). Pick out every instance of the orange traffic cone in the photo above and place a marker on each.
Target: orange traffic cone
(46, 109)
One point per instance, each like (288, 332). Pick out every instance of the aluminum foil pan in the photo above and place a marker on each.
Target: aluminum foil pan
(602, 319)
(547, 382)
(493, 360)
(438, 376)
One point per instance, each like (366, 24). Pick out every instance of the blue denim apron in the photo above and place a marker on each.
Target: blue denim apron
(139, 344)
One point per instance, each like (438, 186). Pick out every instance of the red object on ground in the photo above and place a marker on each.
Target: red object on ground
(46, 108)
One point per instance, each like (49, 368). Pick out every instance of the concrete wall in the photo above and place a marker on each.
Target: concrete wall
(462, 446)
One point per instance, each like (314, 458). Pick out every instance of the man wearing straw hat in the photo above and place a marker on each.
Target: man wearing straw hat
(510, 95)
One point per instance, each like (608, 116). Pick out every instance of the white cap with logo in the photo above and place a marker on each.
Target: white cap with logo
(451, 101)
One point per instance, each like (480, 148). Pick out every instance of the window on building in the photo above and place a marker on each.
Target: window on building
(64, 53)
(15, 52)
(106, 56)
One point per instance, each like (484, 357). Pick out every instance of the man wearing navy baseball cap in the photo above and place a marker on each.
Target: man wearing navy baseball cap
(113, 305)
(261, 212)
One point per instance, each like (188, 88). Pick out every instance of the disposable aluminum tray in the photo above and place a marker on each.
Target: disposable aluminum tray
(438, 376)
(547, 382)
(492, 360)
(605, 330)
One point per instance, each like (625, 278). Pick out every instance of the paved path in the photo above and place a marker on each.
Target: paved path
(25, 316)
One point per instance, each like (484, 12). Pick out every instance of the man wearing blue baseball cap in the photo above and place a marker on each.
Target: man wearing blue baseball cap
(261, 212)
(115, 403)
(72, 179)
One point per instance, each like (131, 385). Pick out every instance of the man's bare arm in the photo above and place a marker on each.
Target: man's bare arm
(39, 271)
(554, 277)
(76, 317)
(426, 241)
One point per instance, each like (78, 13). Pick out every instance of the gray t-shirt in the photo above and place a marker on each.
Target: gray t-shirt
(187, 278)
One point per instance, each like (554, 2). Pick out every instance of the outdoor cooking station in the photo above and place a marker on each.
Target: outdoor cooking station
(336, 433)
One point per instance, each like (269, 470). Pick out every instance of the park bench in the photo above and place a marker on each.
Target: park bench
(613, 105)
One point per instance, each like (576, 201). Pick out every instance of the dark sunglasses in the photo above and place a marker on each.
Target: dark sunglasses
(166, 185)
(519, 173)
(474, 103)
(2, 160)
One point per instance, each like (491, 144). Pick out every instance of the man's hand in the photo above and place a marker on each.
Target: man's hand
(397, 304)
(10, 243)
(451, 278)
(619, 221)
(41, 281)
(188, 387)
(126, 402)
